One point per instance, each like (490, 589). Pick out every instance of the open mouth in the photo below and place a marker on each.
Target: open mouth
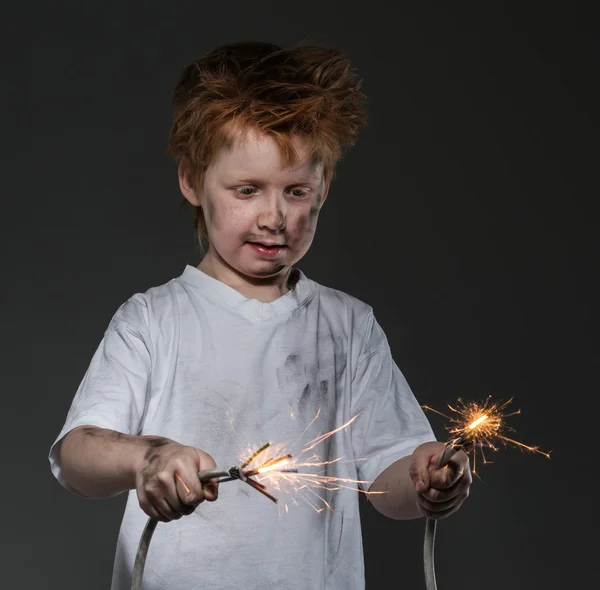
(267, 245)
(266, 250)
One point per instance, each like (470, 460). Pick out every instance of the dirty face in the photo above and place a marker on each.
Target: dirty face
(261, 215)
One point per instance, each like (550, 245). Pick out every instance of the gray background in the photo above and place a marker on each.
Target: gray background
(463, 216)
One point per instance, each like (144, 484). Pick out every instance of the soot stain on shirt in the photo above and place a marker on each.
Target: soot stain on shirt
(291, 360)
(290, 374)
(323, 389)
(289, 371)
(312, 397)
(340, 358)
(303, 400)
(316, 390)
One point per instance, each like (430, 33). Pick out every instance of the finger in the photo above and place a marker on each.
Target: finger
(419, 469)
(468, 446)
(155, 514)
(436, 507)
(460, 487)
(460, 461)
(167, 500)
(211, 490)
(447, 476)
(442, 505)
(149, 508)
(168, 510)
(189, 490)
(437, 515)
(155, 495)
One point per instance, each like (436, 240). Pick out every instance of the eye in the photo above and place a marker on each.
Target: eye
(246, 191)
(298, 192)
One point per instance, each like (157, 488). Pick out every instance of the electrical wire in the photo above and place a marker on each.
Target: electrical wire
(142, 552)
(236, 473)
(431, 524)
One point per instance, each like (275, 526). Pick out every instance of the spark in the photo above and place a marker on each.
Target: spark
(254, 455)
(477, 422)
(302, 475)
(182, 483)
(478, 425)
(275, 464)
(313, 443)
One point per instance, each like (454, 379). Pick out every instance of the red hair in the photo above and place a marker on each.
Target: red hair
(307, 91)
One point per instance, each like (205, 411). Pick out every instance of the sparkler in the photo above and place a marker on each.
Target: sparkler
(474, 426)
(478, 425)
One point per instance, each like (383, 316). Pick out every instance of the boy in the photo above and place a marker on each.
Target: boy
(245, 348)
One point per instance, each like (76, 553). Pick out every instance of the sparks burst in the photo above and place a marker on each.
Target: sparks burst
(300, 476)
(480, 425)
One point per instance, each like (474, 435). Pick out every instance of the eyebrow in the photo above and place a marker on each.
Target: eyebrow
(304, 179)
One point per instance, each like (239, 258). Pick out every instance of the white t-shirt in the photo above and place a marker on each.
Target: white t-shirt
(195, 361)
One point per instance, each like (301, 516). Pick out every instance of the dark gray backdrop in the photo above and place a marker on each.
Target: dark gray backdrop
(461, 216)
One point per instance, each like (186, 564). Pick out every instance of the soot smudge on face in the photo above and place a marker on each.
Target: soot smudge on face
(306, 223)
(209, 212)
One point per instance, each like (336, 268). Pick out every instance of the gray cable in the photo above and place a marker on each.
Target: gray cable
(216, 473)
(430, 523)
(142, 552)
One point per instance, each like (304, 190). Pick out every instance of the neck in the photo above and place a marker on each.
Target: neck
(266, 290)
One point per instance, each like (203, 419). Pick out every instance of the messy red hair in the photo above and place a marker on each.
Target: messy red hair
(308, 91)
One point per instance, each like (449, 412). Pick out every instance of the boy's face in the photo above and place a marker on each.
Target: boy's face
(261, 216)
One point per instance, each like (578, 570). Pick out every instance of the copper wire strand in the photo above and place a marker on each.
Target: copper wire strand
(254, 455)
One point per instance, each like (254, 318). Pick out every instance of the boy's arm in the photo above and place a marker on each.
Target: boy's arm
(415, 486)
(399, 497)
(101, 463)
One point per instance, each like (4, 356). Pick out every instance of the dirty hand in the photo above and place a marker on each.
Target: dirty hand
(166, 479)
(440, 490)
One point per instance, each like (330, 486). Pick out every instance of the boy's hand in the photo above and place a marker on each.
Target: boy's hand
(166, 479)
(440, 491)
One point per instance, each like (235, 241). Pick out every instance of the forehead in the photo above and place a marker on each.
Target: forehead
(251, 152)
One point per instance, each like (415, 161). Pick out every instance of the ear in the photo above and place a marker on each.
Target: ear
(186, 184)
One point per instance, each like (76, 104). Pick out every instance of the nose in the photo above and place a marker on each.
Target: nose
(272, 215)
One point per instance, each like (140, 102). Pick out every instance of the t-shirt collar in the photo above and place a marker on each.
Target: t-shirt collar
(302, 291)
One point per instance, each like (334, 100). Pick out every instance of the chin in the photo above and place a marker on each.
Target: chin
(266, 273)
(263, 271)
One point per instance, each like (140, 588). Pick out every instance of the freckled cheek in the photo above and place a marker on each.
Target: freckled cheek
(227, 220)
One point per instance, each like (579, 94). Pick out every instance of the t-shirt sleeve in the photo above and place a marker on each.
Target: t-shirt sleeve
(113, 391)
(392, 423)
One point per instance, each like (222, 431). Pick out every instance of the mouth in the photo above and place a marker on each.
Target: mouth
(268, 250)
(268, 245)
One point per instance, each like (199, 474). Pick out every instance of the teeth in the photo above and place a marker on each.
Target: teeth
(268, 245)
